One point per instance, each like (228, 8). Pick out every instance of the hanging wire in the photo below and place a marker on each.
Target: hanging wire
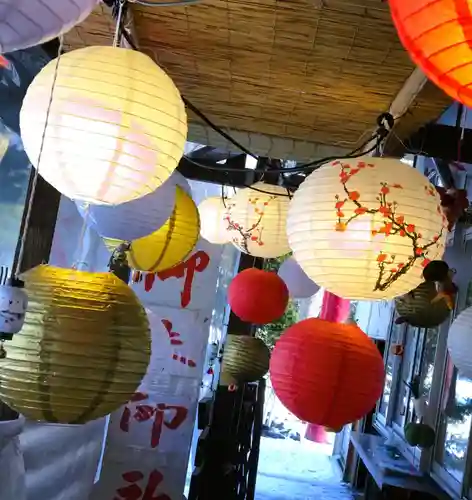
(384, 122)
(223, 197)
(34, 184)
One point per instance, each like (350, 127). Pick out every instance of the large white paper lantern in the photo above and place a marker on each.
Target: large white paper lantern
(134, 219)
(25, 23)
(299, 285)
(365, 228)
(256, 221)
(116, 128)
(459, 342)
(212, 224)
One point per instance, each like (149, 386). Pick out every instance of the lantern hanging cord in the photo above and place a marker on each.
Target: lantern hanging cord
(29, 208)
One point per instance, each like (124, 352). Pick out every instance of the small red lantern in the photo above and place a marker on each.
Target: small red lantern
(257, 296)
(329, 374)
(438, 37)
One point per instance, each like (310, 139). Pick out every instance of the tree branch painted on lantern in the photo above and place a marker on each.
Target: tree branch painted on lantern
(254, 233)
(390, 270)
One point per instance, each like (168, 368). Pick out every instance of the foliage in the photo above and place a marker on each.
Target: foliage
(271, 332)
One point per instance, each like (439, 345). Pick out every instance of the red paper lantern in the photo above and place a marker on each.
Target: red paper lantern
(438, 36)
(257, 296)
(329, 374)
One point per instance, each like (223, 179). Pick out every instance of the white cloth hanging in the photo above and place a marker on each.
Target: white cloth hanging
(12, 467)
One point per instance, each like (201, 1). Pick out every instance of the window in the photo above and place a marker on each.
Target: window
(396, 337)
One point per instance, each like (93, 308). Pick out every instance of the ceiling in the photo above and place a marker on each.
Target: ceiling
(313, 72)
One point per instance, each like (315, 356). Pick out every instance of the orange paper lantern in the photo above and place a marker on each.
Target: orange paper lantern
(257, 296)
(329, 374)
(438, 37)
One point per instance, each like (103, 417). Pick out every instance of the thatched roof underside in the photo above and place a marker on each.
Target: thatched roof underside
(319, 71)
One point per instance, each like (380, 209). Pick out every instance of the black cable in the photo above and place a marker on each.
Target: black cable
(381, 133)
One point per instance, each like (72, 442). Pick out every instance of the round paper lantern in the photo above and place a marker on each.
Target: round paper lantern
(134, 219)
(116, 128)
(421, 435)
(299, 285)
(169, 245)
(83, 349)
(364, 228)
(257, 296)
(437, 37)
(459, 342)
(213, 227)
(245, 358)
(13, 304)
(329, 374)
(256, 221)
(422, 307)
(25, 23)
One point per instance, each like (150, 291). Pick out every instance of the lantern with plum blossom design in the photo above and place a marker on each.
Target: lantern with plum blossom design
(365, 228)
(256, 220)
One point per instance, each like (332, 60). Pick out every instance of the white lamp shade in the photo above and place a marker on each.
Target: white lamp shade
(212, 223)
(256, 221)
(25, 23)
(299, 285)
(365, 228)
(134, 219)
(459, 342)
(116, 128)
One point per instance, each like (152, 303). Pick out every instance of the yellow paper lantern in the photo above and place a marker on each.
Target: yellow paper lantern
(169, 245)
(83, 350)
(245, 358)
(256, 221)
(116, 128)
(213, 226)
(365, 228)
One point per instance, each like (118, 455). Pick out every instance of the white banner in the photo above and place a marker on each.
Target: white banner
(148, 442)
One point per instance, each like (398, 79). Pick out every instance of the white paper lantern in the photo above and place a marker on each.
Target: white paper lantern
(25, 23)
(135, 219)
(365, 228)
(116, 128)
(13, 304)
(256, 221)
(459, 342)
(299, 285)
(212, 223)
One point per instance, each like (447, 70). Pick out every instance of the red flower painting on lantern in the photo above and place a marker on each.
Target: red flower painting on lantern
(350, 206)
(254, 231)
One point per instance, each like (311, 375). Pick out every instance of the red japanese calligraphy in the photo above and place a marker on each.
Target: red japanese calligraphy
(134, 492)
(175, 341)
(144, 412)
(197, 263)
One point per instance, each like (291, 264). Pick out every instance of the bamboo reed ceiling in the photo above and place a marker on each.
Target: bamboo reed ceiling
(313, 70)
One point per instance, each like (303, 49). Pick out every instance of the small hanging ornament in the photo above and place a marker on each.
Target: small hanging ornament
(13, 304)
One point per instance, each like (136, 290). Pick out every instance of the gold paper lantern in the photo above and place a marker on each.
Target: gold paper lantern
(213, 226)
(256, 221)
(83, 350)
(365, 228)
(116, 128)
(169, 245)
(245, 358)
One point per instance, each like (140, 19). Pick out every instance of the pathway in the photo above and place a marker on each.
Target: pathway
(290, 470)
